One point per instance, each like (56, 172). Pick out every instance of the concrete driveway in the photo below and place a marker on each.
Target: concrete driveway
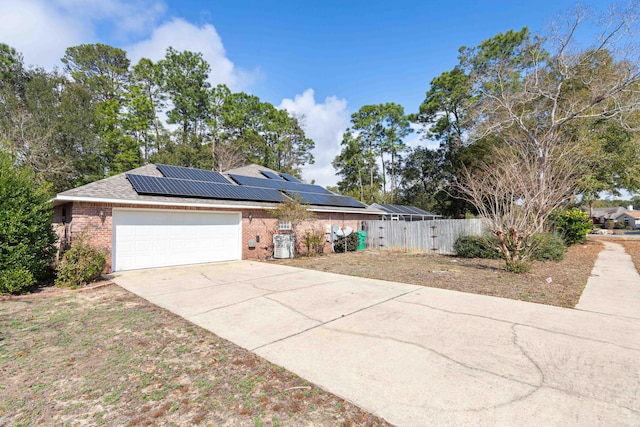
(416, 356)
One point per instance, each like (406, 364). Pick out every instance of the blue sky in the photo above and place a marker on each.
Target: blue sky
(321, 59)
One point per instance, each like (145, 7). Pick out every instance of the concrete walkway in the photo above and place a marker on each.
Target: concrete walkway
(614, 285)
(418, 356)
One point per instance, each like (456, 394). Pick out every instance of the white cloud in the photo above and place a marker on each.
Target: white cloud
(126, 17)
(40, 30)
(324, 123)
(182, 35)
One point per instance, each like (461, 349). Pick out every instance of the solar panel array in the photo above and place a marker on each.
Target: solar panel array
(404, 210)
(192, 174)
(289, 178)
(271, 175)
(278, 184)
(189, 182)
(326, 199)
(209, 190)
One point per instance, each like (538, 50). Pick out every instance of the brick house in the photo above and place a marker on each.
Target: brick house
(158, 215)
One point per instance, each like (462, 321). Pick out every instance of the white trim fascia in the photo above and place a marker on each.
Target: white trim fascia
(154, 203)
(195, 205)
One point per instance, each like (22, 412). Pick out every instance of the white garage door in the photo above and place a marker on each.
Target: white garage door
(155, 238)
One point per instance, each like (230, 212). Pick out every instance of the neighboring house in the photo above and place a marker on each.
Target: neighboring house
(629, 218)
(601, 215)
(159, 215)
(404, 213)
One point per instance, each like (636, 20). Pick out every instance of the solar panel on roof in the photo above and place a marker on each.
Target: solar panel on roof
(201, 189)
(326, 199)
(191, 174)
(271, 175)
(289, 177)
(278, 184)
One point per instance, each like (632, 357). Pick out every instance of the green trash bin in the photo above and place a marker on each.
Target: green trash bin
(362, 240)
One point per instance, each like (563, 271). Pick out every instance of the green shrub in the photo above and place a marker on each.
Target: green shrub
(573, 225)
(485, 246)
(15, 280)
(80, 265)
(518, 267)
(26, 235)
(546, 247)
(313, 240)
(351, 241)
(539, 247)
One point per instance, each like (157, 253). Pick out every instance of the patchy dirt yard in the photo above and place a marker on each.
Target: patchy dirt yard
(108, 357)
(553, 283)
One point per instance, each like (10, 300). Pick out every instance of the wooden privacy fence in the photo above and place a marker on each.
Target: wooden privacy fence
(436, 236)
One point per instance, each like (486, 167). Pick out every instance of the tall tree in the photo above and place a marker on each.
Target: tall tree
(144, 100)
(538, 96)
(104, 71)
(185, 77)
(366, 123)
(443, 116)
(48, 126)
(353, 165)
(394, 127)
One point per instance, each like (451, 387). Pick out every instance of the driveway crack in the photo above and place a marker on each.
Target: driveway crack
(334, 319)
(520, 324)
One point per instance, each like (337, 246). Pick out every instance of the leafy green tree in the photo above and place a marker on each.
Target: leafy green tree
(352, 165)
(144, 100)
(11, 67)
(422, 177)
(101, 68)
(26, 236)
(443, 116)
(366, 123)
(380, 131)
(185, 82)
(104, 71)
(394, 127)
(49, 126)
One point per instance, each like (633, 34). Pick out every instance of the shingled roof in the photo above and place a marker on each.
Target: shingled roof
(117, 189)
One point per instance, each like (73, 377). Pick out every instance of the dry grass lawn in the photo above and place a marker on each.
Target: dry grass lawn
(553, 283)
(107, 357)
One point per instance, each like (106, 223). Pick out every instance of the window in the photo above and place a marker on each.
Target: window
(284, 224)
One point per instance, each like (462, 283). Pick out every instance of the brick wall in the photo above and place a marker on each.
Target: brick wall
(260, 223)
(95, 220)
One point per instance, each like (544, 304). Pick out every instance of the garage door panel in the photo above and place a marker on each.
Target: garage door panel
(146, 239)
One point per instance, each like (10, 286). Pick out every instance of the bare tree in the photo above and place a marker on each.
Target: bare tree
(541, 97)
(516, 195)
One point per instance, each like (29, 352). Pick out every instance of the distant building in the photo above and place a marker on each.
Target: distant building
(601, 215)
(630, 219)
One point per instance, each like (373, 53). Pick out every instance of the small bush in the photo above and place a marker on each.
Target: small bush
(477, 247)
(518, 267)
(351, 241)
(80, 265)
(539, 247)
(546, 247)
(313, 240)
(15, 280)
(573, 225)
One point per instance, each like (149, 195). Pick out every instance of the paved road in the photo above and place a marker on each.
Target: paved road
(420, 356)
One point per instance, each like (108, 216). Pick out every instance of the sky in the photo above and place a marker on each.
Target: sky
(323, 59)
